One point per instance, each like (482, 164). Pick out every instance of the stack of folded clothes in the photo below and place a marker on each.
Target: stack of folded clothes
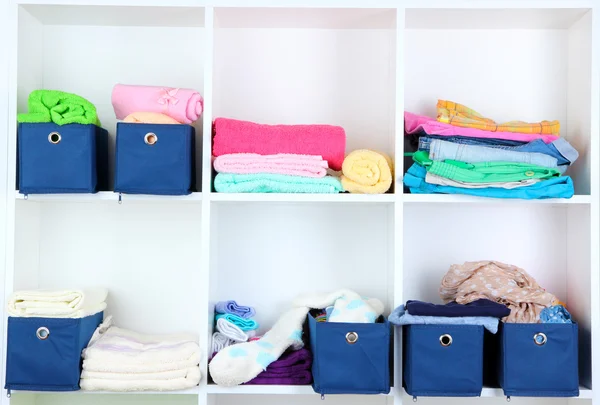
(481, 312)
(257, 158)
(156, 104)
(121, 360)
(292, 368)
(234, 324)
(465, 153)
(57, 303)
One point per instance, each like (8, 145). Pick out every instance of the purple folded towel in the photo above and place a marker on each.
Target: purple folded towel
(231, 307)
(292, 368)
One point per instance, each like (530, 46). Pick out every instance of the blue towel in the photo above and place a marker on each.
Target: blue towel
(232, 307)
(401, 317)
(555, 314)
(480, 307)
(243, 324)
(556, 187)
(276, 183)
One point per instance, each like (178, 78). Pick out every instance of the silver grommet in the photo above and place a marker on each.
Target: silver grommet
(150, 138)
(42, 333)
(351, 337)
(54, 137)
(540, 339)
(446, 340)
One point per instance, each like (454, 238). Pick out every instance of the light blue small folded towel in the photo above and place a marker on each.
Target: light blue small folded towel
(243, 324)
(276, 183)
(401, 317)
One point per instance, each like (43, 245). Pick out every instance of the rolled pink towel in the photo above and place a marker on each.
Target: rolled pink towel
(234, 136)
(282, 163)
(183, 105)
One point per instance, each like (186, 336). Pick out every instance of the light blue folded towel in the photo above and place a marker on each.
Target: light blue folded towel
(276, 183)
(401, 317)
(243, 324)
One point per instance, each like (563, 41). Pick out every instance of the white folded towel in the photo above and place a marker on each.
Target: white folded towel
(219, 342)
(169, 381)
(116, 350)
(57, 303)
(231, 331)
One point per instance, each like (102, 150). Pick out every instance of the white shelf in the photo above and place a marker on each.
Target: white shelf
(305, 198)
(108, 196)
(190, 391)
(261, 390)
(466, 199)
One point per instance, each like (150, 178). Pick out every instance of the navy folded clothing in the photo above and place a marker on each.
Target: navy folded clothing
(481, 307)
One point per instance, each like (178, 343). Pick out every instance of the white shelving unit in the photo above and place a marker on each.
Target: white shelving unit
(354, 63)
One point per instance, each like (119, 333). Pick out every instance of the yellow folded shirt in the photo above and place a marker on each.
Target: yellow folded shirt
(459, 115)
(367, 172)
(150, 118)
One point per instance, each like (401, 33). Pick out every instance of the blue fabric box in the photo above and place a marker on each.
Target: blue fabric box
(342, 367)
(70, 158)
(539, 360)
(155, 159)
(443, 360)
(51, 364)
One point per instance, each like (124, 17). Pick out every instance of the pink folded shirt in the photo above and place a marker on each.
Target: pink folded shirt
(414, 123)
(282, 163)
(183, 105)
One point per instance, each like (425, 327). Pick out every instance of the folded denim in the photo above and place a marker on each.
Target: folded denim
(560, 149)
(401, 317)
(442, 181)
(480, 307)
(442, 150)
(556, 187)
(484, 172)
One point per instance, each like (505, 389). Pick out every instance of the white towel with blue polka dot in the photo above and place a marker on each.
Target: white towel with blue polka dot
(237, 364)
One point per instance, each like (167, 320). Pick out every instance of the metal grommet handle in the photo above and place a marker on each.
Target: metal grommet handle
(446, 340)
(150, 138)
(540, 339)
(54, 137)
(42, 333)
(351, 337)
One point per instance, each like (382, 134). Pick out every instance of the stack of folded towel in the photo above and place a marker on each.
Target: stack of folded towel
(292, 368)
(465, 153)
(156, 104)
(121, 360)
(234, 324)
(257, 158)
(57, 303)
(60, 108)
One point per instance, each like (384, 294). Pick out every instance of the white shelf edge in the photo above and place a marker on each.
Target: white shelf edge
(458, 198)
(261, 389)
(317, 198)
(108, 196)
(584, 393)
(190, 391)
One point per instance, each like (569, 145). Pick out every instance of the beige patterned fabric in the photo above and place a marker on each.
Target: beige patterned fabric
(498, 282)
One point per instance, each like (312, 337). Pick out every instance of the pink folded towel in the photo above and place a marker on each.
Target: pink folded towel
(282, 163)
(234, 136)
(183, 105)
(414, 123)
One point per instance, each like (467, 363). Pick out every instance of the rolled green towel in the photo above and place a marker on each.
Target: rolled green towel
(275, 183)
(59, 107)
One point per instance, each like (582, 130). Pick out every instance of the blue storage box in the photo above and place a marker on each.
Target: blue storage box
(44, 354)
(443, 360)
(155, 159)
(539, 360)
(70, 158)
(350, 358)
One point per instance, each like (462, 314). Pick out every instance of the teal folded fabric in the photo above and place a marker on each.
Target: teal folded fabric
(276, 183)
(243, 324)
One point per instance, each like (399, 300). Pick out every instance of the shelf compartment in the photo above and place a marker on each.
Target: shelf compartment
(304, 198)
(466, 199)
(109, 196)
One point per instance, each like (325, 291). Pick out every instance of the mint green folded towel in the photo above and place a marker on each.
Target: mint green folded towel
(276, 183)
(242, 323)
(59, 107)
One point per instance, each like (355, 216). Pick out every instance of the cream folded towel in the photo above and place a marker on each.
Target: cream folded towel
(57, 303)
(170, 381)
(367, 172)
(142, 117)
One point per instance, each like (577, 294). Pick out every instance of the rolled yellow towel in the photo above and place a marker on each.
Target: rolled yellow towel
(367, 172)
(143, 117)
